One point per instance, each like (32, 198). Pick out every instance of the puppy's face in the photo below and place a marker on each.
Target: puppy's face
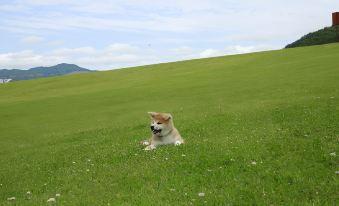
(161, 123)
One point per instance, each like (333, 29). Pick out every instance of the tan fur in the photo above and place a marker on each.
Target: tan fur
(168, 134)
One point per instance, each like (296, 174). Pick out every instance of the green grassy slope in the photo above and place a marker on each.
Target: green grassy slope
(259, 129)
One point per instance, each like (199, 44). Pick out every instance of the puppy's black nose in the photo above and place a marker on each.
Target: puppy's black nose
(152, 127)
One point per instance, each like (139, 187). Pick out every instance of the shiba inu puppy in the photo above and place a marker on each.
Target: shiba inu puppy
(163, 131)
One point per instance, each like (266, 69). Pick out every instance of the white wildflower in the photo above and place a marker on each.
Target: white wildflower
(145, 143)
(201, 194)
(333, 154)
(57, 195)
(183, 155)
(11, 198)
(253, 162)
(52, 199)
(28, 192)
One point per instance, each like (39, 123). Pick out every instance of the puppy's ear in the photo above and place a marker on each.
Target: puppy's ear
(168, 117)
(152, 114)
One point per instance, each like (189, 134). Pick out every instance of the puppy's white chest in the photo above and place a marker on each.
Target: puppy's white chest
(168, 139)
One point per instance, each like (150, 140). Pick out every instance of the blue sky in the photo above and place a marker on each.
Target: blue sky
(106, 34)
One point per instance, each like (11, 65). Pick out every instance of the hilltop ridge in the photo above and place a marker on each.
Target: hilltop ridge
(323, 36)
(41, 72)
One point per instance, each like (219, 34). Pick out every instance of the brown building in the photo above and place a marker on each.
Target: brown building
(335, 18)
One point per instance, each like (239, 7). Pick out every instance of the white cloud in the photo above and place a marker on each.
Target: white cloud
(209, 53)
(119, 47)
(74, 51)
(183, 50)
(20, 59)
(32, 39)
(182, 53)
(237, 49)
(44, 2)
(11, 8)
(98, 7)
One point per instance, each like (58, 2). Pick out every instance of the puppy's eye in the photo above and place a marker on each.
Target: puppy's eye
(159, 123)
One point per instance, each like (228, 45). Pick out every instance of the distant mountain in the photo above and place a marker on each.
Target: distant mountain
(322, 36)
(41, 72)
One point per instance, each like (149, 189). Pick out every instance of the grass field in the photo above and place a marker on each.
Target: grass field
(260, 129)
